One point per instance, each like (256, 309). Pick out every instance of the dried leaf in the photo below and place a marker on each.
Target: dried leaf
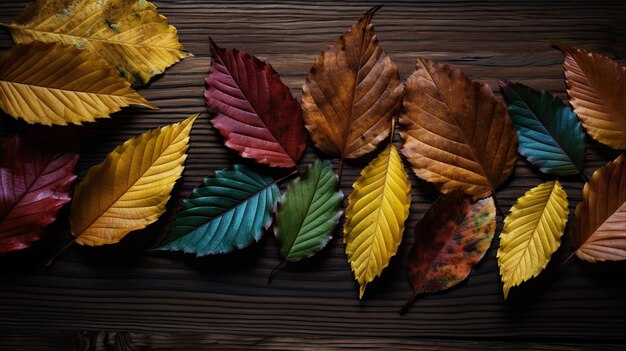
(377, 209)
(308, 212)
(129, 34)
(600, 232)
(532, 233)
(255, 112)
(34, 184)
(450, 239)
(550, 135)
(456, 134)
(596, 86)
(53, 83)
(352, 93)
(129, 190)
(227, 212)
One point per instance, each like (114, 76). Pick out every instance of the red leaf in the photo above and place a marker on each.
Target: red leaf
(450, 239)
(34, 185)
(254, 111)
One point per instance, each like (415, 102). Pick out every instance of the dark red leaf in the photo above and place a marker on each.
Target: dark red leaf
(34, 185)
(254, 110)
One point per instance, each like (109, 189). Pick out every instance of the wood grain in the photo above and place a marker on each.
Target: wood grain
(158, 298)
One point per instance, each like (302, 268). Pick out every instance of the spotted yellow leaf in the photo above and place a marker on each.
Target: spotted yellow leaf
(532, 233)
(377, 209)
(54, 83)
(129, 190)
(129, 34)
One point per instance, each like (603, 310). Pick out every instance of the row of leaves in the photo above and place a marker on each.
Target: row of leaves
(456, 134)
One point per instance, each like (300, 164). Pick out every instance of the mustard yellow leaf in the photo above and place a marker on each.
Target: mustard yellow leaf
(53, 83)
(129, 34)
(532, 233)
(377, 209)
(129, 190)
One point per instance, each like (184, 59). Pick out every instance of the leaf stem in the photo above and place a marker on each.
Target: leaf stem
(283, 178)
(564, 265)
(62, 251)
(273, 272)
(408, 304)
(498, 208)
(584, 176)
(343, 159)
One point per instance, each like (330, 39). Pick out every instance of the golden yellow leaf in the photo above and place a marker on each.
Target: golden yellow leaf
(129, 34)
(532, 233)
(600, 231)
(377, 209)
(129, 190)
(53, 83)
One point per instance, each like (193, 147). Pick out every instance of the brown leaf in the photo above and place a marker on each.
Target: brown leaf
(600, 232)
(597, 89)
(456, 134)
(351, 94)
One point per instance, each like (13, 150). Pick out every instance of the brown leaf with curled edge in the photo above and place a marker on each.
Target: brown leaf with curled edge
(351, 94)
(596, 86)
(600, 232)
(456, 134)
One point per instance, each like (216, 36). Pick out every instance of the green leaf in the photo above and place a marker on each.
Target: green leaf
(550, 135)
(228, 211)
(308, 212)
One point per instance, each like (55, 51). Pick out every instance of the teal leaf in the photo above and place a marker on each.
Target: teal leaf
(308, 212)
(228, 211)
(550, 135)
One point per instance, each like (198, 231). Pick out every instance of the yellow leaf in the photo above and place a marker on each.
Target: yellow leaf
(129, 190)
(532, 233)
(377, 209)
(129, 34)
(53, 83)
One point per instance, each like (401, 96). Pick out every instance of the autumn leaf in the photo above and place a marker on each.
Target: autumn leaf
(129, 190)
(34, 184)
(254, 111)
(451, 238)
(596, 86)
(550, 135)
(456, 134)
(53, 83)
(532, 233)
(308, 212)
(600, 231)
(377, 209)
(129, 34)
(228, 211)
(352, 93)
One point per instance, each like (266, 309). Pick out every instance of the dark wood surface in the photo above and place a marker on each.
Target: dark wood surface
(122, 297)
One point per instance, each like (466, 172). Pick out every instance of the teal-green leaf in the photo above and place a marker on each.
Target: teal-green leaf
(550, 135)
(308, 212)
(228, 211)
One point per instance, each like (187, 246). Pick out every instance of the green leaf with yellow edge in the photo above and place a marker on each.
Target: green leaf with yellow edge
(532, 233)
(308, 212)
(377, 209)
(129, 34)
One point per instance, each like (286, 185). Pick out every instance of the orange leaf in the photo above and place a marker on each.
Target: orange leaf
(456, 134)
(597, 89)
(600, 232)
(351, 94)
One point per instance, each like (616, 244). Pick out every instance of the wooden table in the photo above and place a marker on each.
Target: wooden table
(121, 296)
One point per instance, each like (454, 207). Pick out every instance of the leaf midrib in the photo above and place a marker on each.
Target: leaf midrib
(106, 41)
